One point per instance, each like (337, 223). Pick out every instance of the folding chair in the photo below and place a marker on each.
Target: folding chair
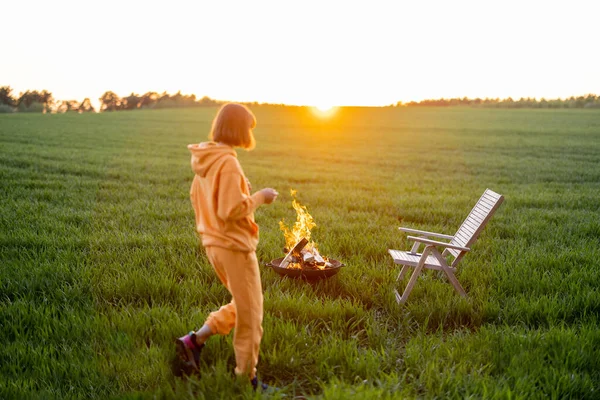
(459, 245)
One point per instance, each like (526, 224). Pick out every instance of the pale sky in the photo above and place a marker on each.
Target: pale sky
(303, 52)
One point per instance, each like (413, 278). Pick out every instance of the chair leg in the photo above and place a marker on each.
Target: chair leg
(403, 272)
(449, 273)
(414, 276)
(398, 297)
(401, 275)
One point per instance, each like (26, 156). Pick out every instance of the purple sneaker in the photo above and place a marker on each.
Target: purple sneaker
(188, 352)
(264, 388)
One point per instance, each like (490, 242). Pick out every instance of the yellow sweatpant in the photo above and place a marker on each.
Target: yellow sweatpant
(240, 274)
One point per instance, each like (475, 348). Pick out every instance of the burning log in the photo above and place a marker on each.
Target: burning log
(308, 257)
(318, 258)
(295, 251)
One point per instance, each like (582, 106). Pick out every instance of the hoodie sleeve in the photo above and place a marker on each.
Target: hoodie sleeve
(233, 201)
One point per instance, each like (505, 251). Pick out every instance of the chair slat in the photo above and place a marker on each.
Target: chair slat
(490, 200)
(464, 237)
(479, 214)
(453, 253)
(465, 234)
(460, 238)
(486, 204)
(491, 194)
(482, 206)
(468, 229)
(474, 223)
(470, 223)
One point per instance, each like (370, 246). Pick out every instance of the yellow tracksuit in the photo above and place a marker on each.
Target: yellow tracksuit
(224, 211)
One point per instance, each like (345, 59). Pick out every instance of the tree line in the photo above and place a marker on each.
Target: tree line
(587, 101)
(39, 102)
(110, 101)
(29, 101)
(43, 101)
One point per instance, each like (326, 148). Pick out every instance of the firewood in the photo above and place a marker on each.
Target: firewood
(308, 257)
(295, 250)
(318, 258)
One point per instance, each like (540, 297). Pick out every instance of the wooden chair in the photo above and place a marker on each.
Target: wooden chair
(459, 245)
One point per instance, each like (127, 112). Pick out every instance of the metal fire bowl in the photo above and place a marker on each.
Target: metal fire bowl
(310, 274)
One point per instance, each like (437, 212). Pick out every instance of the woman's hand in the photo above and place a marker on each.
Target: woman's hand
(249, 185)
(270, 195)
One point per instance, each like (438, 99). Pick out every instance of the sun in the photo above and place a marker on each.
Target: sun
(323, 107)
(324, 110)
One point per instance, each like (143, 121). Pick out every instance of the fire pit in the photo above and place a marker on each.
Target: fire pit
(303, 259)
(309, 274)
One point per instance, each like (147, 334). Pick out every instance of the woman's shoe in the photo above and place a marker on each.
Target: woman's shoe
(188, 352)
(264, 388)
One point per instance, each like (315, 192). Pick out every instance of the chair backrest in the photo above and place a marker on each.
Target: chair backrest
(476, 220)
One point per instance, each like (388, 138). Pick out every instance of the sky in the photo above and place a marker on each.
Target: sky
(303, 52)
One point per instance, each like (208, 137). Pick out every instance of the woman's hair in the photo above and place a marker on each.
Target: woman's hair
(233, 125)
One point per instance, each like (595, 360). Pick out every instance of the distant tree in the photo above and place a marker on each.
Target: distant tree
(67, 105)
(164, 96)
(149, 99)
(29, 97)
(177, 97)
(580, 102)
(86, 106)
(6, 96)
(110, 102)
(188, 100)
(131, 102)
(164, 101)
(207, 102)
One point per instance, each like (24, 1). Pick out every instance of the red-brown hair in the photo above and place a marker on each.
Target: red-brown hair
(233, 125)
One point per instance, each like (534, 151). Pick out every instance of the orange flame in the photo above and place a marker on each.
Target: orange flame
(301, 228)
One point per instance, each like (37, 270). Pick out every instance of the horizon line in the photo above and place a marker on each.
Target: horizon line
(295, 104)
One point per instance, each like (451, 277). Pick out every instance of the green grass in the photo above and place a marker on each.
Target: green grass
(101, 269)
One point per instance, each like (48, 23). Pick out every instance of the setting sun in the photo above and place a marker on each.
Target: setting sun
(324, 110)
(323, 107)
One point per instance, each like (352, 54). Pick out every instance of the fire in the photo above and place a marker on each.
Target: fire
(308, 256)
(300, 229)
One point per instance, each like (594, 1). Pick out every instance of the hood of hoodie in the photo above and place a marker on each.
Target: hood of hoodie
(208, 154)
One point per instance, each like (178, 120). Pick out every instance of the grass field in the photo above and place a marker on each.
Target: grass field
(101, 268)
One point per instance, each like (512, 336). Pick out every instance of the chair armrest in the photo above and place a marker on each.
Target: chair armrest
(436, 243)
(425, 233)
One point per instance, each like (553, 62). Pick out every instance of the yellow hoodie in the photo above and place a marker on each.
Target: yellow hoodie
(222, 202)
